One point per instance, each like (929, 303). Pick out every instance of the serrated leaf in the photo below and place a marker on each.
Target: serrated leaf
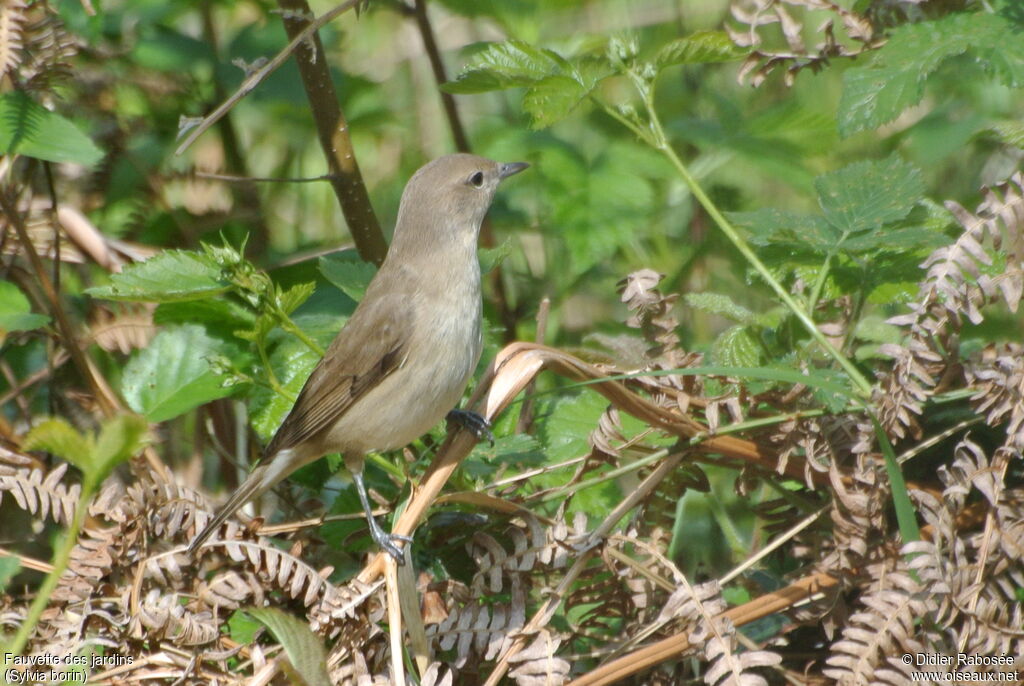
(304, 649)
(292, 298)
(171, 276)
(865, 195)
(27, 128)
(552, 99)
(510, 64)
(737, 346)
(16, 312)
(770, 226)
(722, 305)
(878, 93)
(172, 375)
(216, 315)
(57, 436)
(348, 273)
(698, 48)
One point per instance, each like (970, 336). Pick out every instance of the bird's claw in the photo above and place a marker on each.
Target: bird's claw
(386, 542)
(474, 423)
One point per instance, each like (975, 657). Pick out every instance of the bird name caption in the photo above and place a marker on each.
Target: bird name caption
(962, 668)
(56, 669)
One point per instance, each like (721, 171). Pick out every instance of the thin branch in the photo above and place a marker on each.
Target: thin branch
(332, 130)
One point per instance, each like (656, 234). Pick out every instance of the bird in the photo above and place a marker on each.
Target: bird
(404, 357)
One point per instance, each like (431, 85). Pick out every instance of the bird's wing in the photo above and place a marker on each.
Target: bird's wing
(370, 347)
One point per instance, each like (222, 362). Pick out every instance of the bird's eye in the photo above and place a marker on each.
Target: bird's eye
(477, 179)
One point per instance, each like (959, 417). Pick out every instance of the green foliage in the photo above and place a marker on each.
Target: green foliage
(173, 374)
(306, 655)
(16, 312)
(9, 566)
(877, 93)
(27, 128)
(96, 455)
(170, 276)
(347, 272)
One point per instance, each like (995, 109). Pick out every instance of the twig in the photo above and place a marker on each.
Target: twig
(332, 130)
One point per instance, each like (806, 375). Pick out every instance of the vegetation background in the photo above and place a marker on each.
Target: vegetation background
(791, 229)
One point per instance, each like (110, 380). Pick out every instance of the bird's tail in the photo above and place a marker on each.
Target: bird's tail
(255, 484)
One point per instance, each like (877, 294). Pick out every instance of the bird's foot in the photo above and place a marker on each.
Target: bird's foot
(472, 422)
(386, 541)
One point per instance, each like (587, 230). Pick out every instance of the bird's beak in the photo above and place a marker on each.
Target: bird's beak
(510, 168)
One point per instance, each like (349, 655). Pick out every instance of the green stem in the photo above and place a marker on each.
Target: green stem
(659, 141)
(291, 327)
(819, 283)
(61, 557)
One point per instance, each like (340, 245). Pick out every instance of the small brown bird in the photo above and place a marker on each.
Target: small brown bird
(403, 359)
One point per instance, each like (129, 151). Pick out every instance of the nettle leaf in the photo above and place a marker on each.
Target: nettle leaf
(1010, 131)
(171, 276)
(510, 64)
(16, 312)
(865, 195)
(699, 48)
(306, 654)
(295, 296)
(27, 128)
(878, 93)
(218, 316)
(737, 346)
(348, 273)
(552, 99)
(770, 226)
(721, 305)
(173, 375)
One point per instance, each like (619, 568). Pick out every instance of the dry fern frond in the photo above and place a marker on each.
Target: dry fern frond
(957, 284)
(755, 15)
(40, 494)
(887, 626)
(12, 20)
(998, 380)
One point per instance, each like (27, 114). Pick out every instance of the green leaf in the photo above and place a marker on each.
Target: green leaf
(120, 438)
(1010, 131)
(865, 195)
(173, 275)
(878, 93)
(293, 362)
(348, 272)
(304, 649)
(769, 226)
(292, 298)
(16, 312)
(173, 374)
(27, 128)
(737, 346)
(722, 305)
(510, 64)
(552, 99)
(698, 48)
(492, 257)
(217, 315)
(242, 628)
(9, 566)
(57, 436)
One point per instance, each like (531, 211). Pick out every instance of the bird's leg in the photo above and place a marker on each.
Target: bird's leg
(472, 422)
(385, 540)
